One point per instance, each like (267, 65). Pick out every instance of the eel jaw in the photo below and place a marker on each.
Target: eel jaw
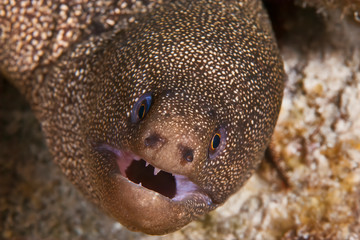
(147, 199)
(139, 171)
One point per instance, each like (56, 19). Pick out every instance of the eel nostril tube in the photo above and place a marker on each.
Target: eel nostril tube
(154, 140)
(187, 153)
(189, 157)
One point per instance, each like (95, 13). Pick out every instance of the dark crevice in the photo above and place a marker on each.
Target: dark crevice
(291, 23)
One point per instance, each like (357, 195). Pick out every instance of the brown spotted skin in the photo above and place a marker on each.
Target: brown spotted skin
(208, 65)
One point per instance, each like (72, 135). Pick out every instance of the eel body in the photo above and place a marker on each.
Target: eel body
(157, 112)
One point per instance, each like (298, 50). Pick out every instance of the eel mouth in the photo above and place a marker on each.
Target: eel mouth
(140, 172)
(144, 197)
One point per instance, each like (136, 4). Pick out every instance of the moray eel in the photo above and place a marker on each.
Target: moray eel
(156, 112)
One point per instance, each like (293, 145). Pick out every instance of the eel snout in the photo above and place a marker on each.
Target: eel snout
(151, 200)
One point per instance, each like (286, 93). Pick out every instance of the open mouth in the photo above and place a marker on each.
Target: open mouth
(152, 178)
(140, 172)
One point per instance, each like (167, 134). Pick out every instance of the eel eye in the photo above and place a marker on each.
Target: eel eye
(217, 143)
(141, 108)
